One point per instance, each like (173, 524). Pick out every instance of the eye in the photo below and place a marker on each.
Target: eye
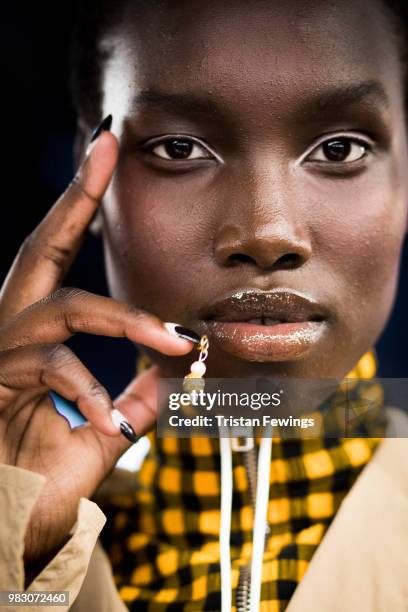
(180, 149)
(339, 150)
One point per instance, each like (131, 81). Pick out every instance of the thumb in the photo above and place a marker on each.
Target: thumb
(138, 402)
(137, 406)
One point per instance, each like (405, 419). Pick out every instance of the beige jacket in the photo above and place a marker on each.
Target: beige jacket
(361, 564)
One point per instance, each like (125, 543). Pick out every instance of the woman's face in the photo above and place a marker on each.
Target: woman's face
(263, 160)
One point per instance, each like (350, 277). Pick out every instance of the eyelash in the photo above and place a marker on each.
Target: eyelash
(160, 142)
(350, 139)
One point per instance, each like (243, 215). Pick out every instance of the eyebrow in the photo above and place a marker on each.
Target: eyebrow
(175, 102)
(347, 95)
(327, 101)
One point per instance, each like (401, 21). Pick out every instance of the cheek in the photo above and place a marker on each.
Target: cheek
(362, 246)
(154, 239)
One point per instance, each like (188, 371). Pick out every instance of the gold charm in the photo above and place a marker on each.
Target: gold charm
(194, 381)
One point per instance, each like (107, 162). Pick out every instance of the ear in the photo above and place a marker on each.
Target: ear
(81, 141)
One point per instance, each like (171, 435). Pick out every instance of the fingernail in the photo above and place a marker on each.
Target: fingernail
(124, 426)
(128, 431)
(182, 332)
(104, 126)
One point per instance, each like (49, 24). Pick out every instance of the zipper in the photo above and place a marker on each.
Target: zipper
(242, 599)
(243, 593)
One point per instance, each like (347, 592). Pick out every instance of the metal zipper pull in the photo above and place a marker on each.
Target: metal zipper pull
(242, 448)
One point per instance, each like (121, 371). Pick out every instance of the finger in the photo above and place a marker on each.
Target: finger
(138, 402)
(48, 252)
(56, 367)
(138, 406)
(69, 311)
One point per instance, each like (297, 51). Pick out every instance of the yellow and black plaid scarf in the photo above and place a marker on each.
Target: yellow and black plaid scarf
(163, 537)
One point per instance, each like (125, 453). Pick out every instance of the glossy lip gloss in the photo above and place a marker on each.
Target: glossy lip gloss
(265, 326)
(277, 342)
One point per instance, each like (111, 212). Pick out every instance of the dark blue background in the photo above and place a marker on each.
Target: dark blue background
(37, 131)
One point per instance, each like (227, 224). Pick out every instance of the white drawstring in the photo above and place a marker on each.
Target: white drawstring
(261, 509)
(225, 527)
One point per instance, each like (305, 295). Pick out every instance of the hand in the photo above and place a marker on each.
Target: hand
(36, 317)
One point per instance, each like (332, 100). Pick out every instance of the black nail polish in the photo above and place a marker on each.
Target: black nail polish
(187, 334)
(128, 431)
(104, 126)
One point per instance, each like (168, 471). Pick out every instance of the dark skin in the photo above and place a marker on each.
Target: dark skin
(333, 231)
(257, 208)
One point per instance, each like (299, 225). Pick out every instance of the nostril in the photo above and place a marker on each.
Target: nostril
(287, 257)
(289, 260)
(238, 258)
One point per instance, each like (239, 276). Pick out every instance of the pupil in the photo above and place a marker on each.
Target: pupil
(337, 150)
(178, 149)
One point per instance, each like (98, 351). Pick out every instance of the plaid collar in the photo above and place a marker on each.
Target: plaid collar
(164, 537)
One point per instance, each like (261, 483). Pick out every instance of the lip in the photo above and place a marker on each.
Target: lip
(266, 326)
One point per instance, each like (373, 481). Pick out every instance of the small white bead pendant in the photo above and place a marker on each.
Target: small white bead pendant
(198, 368)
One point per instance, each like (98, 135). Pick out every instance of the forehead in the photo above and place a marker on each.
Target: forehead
(239, 51)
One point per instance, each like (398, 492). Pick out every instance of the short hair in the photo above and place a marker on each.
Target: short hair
(96, 18)
(93, 19)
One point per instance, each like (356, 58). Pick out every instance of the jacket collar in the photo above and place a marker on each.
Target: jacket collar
(362, 562)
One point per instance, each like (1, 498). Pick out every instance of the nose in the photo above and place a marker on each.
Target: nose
(262, 229)
(272, 249)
